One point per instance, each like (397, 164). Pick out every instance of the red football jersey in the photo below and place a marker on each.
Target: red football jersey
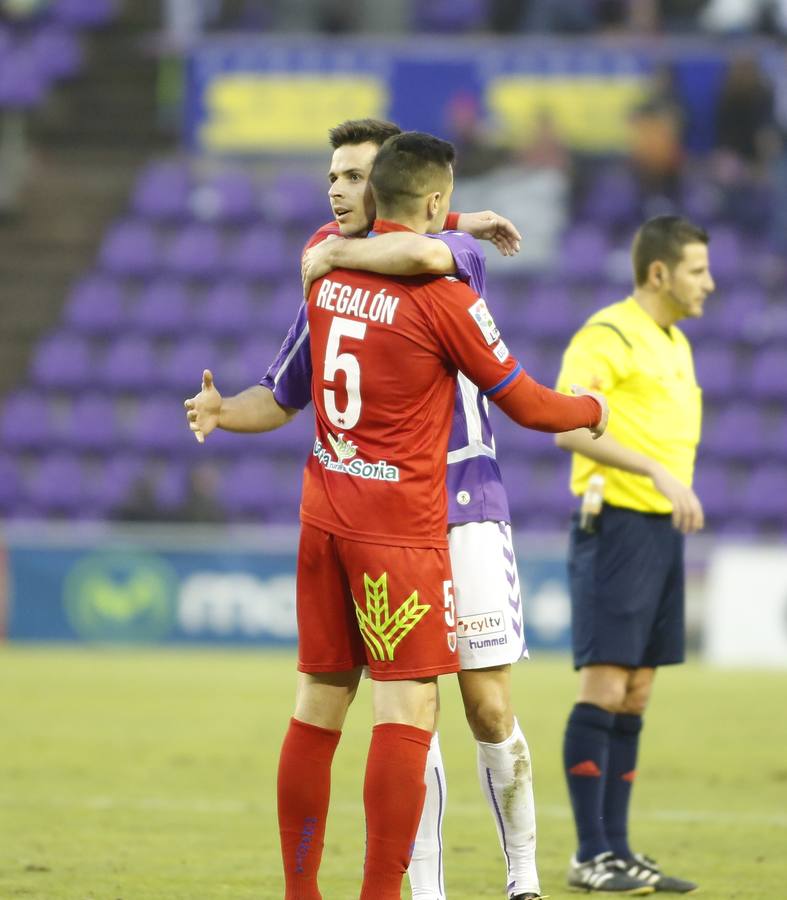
(385, 353)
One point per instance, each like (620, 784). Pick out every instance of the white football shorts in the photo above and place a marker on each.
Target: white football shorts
(490, 626)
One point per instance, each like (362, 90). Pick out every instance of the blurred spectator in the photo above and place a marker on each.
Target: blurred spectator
(546, 149)
(201, 504)
(745, 117)
(18, 10)
(680, 15)
(655, 150)
(142, 504)
(184, 20)
(743, 16)
(476, 153)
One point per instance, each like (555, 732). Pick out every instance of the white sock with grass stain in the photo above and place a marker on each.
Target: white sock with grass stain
(506, 777)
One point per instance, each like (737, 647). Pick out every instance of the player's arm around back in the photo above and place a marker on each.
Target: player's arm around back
(406, 253)
(253, 410)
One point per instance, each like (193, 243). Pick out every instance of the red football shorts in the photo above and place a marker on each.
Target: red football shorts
(390, 608)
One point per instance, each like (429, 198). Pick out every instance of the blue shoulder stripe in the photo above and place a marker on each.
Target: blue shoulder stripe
(501, 384)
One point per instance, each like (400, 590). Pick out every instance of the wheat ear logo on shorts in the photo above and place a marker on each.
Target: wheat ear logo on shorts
(382, 630)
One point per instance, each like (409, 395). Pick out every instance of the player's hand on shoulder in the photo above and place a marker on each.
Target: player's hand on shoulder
(601, 427)
(687, 513)
(489, 226)
(316, 262)
(202, 410)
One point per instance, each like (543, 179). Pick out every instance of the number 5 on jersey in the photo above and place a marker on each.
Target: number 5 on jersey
(347, 363)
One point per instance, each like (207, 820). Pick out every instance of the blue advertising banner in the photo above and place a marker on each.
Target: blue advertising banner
(178, 588)
(277, 95)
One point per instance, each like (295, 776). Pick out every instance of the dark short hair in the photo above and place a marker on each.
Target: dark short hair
(361, 131)
(409, 165)
(662, 239)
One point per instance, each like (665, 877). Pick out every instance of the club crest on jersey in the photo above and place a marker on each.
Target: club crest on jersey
(483, 318)
(451, 641)
(344, 449)
(345, 460)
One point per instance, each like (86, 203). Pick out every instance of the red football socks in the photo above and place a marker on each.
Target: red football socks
(304, 790)
(393, 796)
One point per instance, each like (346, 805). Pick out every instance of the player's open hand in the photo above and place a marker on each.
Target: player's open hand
(202, 410)
(687, 513)
(489, 226)
(599, 429)
(316, 262)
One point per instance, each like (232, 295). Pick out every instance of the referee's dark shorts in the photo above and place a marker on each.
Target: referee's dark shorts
(627, 590)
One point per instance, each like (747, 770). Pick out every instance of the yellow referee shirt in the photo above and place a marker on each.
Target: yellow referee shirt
(647, 375)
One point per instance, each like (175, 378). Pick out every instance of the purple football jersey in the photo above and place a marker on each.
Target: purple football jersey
(475, 488)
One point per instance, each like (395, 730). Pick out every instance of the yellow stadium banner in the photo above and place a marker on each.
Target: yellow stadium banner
(249, 112)
(589, 113)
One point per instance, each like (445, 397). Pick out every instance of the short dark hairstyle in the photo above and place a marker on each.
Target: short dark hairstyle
(662, 239)
(408, 166)
(361, 131)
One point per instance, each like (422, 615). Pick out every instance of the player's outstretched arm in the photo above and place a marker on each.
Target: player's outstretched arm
(532, 405)
(253, 410)
(687, 513)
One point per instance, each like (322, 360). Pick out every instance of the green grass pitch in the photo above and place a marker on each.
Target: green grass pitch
(149, 775)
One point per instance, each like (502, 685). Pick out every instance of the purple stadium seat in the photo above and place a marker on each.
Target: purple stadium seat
(550, 312)
(92, 424)
(181, 369)
(57, 52)
(261, 252)
(227, 310)
(279, 311)
(294, 198)
(113, 482)
(450, 16)
(95, 306)
(583, 254)
(57, 484)
(160, 427)
(247, 486)
(84, 13)
(769, 374)
(777, 438)
(737, 432)
(26, 422)
(718, 371)
(196, 252)
(23, 85)
(735, 313)
(763, 495)
(162, 192)
(613, 199)
(163, 307)
(10, 483)
(715, 487)
(131, 248)
(726, 255)
(62, 362)
(229, 198)
(130, 364)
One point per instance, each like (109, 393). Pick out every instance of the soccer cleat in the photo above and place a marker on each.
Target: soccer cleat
(646, 869)
(529, 895)
(605, 874)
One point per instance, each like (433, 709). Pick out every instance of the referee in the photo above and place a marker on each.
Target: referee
(626, 563)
